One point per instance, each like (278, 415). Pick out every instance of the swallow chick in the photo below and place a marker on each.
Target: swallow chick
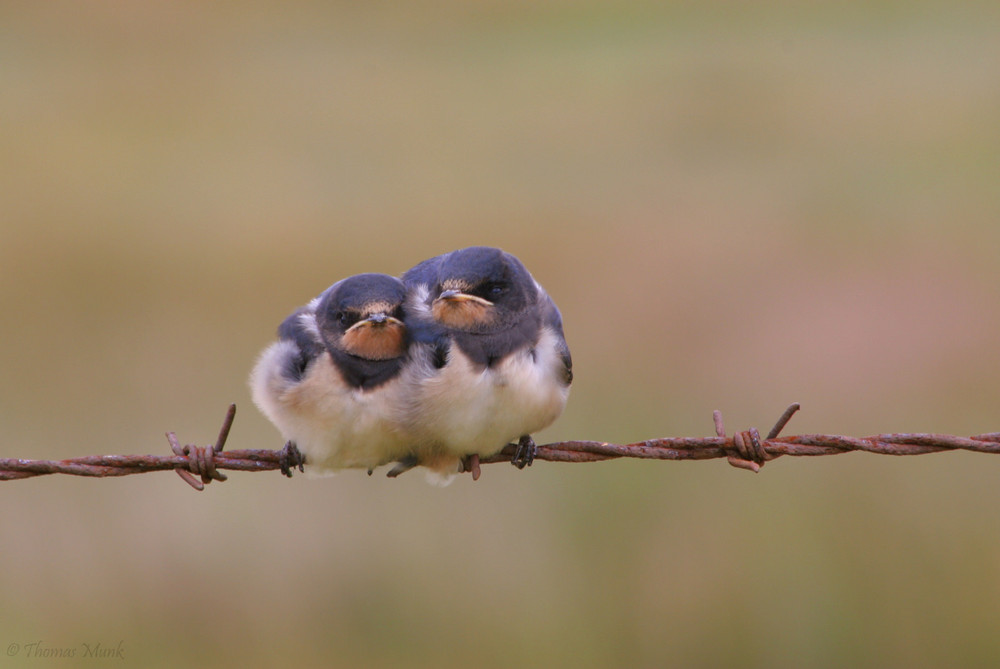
(502, 369)
(333, 382)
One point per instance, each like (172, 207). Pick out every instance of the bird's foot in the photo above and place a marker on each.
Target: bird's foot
(525, 453)
(404, 465)
(291, 458)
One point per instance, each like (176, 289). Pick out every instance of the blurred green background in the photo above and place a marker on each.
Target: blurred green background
(735, 207)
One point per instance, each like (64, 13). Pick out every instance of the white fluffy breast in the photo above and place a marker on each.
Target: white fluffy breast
(334, 425)
(465, 409)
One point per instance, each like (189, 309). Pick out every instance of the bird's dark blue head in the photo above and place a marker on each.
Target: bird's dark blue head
(363, 316)
(481, 289)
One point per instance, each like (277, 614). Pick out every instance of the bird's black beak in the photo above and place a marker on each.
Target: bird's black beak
(456, 296)
(378, 319)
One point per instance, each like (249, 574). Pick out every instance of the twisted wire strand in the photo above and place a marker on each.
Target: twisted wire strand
(200, 465)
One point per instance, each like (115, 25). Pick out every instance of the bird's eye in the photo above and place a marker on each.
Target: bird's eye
(490, 290)
(344, 318)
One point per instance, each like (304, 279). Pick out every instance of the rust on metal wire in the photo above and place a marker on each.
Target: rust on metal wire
(200, 465)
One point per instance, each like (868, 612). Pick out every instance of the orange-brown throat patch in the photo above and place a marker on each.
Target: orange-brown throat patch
(376, 341)
(463, 312)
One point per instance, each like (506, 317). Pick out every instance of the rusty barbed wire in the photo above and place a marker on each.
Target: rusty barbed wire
(200, 465)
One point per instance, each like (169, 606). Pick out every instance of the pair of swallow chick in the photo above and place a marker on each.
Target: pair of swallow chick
(461, 356)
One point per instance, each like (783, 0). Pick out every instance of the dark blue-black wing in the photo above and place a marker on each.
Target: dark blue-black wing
(552, 319)
(307, 348)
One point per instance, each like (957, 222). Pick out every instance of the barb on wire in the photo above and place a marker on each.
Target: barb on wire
(200, 465)
(188, 461)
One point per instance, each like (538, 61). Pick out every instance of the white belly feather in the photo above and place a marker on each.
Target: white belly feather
(465, 409)
(334, 425)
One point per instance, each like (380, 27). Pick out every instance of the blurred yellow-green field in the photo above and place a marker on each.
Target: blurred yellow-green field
(735, 207)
